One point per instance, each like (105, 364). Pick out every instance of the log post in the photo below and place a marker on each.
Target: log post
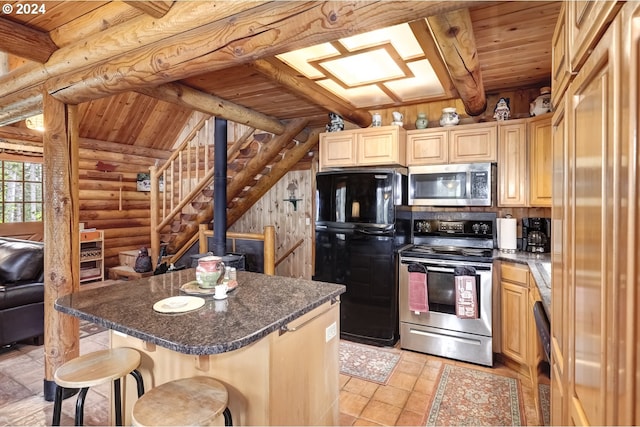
(270, 250)
(61, 234)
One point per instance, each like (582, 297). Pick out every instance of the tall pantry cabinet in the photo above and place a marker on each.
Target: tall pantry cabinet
(595, 321)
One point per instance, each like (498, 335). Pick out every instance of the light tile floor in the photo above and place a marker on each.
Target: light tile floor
(403, 401)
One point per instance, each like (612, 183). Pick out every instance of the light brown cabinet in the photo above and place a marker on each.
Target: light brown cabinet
(514, 291)
(560, 67)
(512, 163)
(524, 162)
(594, 361)
(375, 146)
(473, 143)
(540, 155)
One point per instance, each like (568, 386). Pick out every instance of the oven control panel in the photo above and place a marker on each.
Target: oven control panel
(425, 227)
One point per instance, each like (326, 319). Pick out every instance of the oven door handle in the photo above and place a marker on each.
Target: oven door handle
(440, 269)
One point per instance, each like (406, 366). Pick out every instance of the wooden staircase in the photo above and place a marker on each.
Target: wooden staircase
(182, 188)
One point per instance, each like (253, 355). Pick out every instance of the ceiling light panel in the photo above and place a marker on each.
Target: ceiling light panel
(400, 36)
(301, 59)
(364, 68)
(360, 97)
(424, 84)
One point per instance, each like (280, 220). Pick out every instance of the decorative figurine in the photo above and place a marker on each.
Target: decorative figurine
(449, 117)
(336, 124)
(502, 111)
(421, 121)
(542, 104)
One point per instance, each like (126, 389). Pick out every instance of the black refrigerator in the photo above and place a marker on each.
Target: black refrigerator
(360, 224)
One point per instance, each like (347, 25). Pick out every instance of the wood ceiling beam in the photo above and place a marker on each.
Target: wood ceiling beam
(305, 88)
(193, 99)
(454, 34)
(25, 42)
(197, 37)
(156, 9)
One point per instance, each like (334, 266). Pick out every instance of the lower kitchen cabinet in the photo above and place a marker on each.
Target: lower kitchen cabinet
(514, 290)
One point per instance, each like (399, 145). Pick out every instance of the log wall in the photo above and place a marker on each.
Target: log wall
(109, 200)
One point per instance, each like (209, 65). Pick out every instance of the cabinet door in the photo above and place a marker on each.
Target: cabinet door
(586, 21)
(381, 146)
(514, 321)
(473, 143)
(427, 147)
(560, 71)
(593, 142)
(337, 149)
(540, 155)
(512, 165)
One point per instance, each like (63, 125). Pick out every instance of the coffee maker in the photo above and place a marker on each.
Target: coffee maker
(536, 235)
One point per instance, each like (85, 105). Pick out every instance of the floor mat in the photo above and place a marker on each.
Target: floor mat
(367, 362)
(466, 397)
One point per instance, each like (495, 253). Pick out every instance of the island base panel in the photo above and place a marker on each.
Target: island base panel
(289, 378)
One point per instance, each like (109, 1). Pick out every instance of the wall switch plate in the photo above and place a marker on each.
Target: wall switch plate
(331, 332)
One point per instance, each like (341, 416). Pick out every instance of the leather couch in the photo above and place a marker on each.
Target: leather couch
(21, 291)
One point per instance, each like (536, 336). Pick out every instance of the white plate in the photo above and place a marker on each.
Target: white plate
(178, 304)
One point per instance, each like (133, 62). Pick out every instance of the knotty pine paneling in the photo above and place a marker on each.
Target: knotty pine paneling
(291, 225)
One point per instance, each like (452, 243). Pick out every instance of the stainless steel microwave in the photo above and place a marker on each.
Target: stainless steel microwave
(451, 185)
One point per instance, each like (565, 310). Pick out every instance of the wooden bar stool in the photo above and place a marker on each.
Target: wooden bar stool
(194, 401)
(94, 369)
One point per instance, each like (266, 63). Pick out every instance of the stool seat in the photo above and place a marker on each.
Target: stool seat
(192, 401)
(93, 369)
(97, 368)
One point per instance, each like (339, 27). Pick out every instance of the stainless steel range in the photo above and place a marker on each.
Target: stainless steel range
(446, 245)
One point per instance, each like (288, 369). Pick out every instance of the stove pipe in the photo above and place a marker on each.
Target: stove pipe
(220, 188)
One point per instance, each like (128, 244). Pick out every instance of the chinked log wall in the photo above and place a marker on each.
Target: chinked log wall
(110, 201)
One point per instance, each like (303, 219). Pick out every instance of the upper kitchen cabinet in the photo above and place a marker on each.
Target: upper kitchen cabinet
(375, 146)
(474, 143)
(540, 161)
(560, 71)
(524, 162)
(586, 22)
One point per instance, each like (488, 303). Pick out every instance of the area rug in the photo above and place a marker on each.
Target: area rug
(469, 397)
(544, 394)
(375, 364)
(87, 328)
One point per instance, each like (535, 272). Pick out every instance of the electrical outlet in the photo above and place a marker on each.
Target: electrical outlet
(307, 221)
(331, 332)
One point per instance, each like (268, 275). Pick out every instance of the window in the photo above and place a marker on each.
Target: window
(21, 198)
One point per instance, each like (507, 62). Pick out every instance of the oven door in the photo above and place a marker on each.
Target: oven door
(441, 291)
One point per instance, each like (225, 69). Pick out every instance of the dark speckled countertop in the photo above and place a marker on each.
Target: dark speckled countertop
(259, 305)
(540, 267)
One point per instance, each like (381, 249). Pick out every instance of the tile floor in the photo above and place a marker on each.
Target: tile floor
(403, 401)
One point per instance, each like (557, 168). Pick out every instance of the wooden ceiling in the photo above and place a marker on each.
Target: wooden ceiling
(137, 69)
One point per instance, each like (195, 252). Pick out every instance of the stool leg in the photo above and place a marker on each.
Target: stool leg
(227, 417)
(57, 406)
(80, 406)
(117, 401)
(140, 383)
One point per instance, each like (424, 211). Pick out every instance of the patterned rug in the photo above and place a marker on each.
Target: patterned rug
(87, 328)
(367, 362)
(544, 394)
(468, 397)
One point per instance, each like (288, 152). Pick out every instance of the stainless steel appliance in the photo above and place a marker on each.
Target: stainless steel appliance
(442, 242)
(451, 185)
(359, 228)
(536, 235)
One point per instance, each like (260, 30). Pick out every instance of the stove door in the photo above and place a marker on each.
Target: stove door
(441, 291)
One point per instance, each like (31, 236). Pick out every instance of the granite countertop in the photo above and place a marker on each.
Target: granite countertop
(259, 305)
(540, 267)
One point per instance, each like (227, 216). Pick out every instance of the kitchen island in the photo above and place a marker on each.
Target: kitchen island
(273, 342)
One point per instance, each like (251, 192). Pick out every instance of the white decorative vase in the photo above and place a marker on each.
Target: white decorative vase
(542, 104)
(449, 117)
